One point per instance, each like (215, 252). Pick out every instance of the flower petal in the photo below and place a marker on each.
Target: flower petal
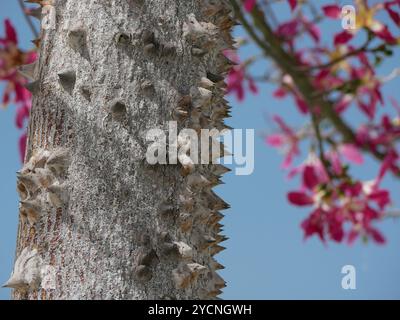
(22, 146)
(299, 199)
(310, 179)
(249, 5)
(351, 153)
(293, 4)
(301, 105)
(22, 114)
(376, 235)
(275, 140)
(342, 38)
(332, 11)
(393, 14)
(11, 34)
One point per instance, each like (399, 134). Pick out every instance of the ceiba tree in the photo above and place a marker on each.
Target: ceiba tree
(97, 220)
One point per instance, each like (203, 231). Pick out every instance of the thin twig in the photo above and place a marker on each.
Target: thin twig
(337, 60)
(289, 65)
(271, 13)
(320, 143)
(392, 214)
(248, 27)
(28, 19)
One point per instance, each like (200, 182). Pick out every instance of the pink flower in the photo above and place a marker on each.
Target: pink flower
(252, 85)
(299, 198)
(280, 93)
(301, 105)
(6, 98)
(310, 183)
(10, 58)
(310, 178)
(376, 235)
(235, 82)
(335, 222)
(388, 164)
(393, 14)
(352, 236)
(237, 78)
(22, 115)
(337, 202)
(343, 103)
(336, 163)
(325, 80)
(249, 5)
(351, 153)
(293, 4)
(312, 30)
(276, 140)
(11, 34)
(368, 108)
(287, 140)
(303, 169)
(386, 35)
(288, 30)
(314, 224)
(342, 38)
(22, 146)
(332, 11)
(381, 197)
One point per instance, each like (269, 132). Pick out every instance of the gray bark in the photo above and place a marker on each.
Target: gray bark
(107, 225)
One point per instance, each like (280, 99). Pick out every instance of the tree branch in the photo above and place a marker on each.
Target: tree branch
(272, 47)
(341, 58)
(289, 65)
(392, 214)
(28, 19)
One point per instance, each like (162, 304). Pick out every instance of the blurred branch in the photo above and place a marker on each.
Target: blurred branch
(320, 143)
(392, 214)
(271, 13)
(28, 18)
(272, 47)
(337, 60)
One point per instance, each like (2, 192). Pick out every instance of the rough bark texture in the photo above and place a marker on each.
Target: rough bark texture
(104, 224)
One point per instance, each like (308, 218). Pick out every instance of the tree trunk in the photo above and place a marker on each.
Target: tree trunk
(97, 220)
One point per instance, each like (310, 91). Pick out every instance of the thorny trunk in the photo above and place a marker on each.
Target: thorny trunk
(98, 221)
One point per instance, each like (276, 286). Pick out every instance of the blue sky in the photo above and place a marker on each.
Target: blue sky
(266, 257)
